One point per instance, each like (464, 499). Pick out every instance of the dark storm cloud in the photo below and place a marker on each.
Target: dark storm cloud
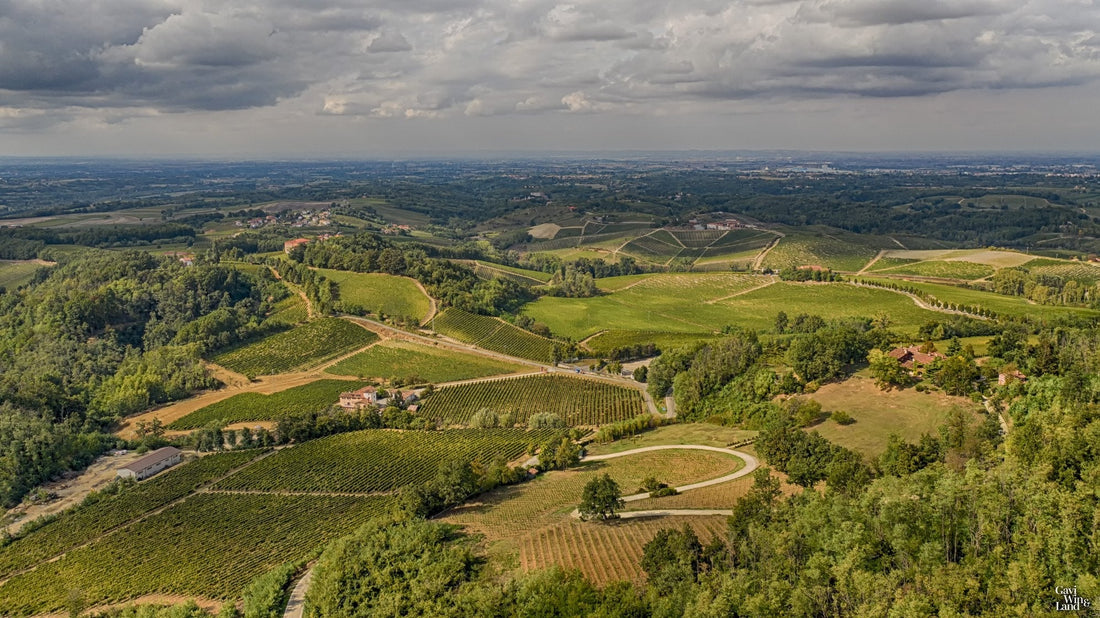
(439, 58)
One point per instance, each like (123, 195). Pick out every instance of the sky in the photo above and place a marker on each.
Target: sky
(286, 78)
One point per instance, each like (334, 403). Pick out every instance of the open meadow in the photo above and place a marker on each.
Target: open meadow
(879, 413)
(379, 293)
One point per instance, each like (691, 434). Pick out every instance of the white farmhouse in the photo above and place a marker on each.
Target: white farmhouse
(151, 464)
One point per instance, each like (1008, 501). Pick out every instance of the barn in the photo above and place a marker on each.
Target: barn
(151, 464)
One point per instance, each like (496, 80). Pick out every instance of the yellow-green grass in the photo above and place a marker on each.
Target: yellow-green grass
(301, 347)
(604, 343)
(966, 271)
(990, 257)
(576, 254)
(380, 293)
(879, 413)
(672, 302)
(1004, 305)
(523, 273)
(842, 253)
(313, 397)
(757, 309)
(419, 363)
(16, 274)
(704, 434)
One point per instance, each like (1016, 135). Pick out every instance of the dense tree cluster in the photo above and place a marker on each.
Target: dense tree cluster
(454, 285)
(102, 336)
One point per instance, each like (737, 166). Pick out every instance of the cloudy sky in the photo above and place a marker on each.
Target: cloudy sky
(378, 77)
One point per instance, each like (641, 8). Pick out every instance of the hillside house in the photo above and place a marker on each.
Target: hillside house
(912, 358)
(1006, 377)
(366, 396)
(152, 463)
(289, 245)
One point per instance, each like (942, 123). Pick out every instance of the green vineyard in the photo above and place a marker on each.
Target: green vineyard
(419, 363)
(210, 545)
(314, 396)
(577, 401)
(376, 460)
(298, 348)
(493, 334)
(88, 521)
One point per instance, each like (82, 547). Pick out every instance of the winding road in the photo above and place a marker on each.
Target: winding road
(751, 464)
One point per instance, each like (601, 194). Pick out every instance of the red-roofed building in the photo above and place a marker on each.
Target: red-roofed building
(912, 358)
(297, 242)
(366, 396)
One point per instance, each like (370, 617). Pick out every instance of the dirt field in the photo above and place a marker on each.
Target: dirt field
(879, 413)
(265, 385)
(996, 259)
(72, 491)
(544, 230)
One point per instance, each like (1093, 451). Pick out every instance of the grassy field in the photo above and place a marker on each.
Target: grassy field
(605, 342)
(838, 252)
(492, 334)
(380, 293)
(376, 460)
(880, 413)
(684, 433)
(680, 307)
(990, 257)
(965, 271)
(1005, 305)
(677, 302)
(301, 347)
(419, 363)
(315, 396)
(14, 273)
(523, 273)
(578, 401)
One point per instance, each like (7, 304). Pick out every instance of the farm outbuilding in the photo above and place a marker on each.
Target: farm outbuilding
(152, 463)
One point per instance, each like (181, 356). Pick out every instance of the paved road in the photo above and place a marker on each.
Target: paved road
(751, 464)
(296, 605)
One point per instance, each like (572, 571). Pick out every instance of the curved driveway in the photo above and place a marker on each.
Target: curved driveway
(751, 464)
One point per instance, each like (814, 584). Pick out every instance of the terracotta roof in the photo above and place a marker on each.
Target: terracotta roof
(153, 458)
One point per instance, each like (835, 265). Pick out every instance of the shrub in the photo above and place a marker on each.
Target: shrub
(843, 418)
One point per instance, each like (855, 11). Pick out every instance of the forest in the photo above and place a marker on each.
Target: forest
(102, 337)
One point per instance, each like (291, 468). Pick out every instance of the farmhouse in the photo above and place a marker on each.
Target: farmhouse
(1006, 377)
(297, 242)
(151, 464)
(912, 358)
(366, 396)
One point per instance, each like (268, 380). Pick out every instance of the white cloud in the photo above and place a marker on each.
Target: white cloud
(502, 58)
